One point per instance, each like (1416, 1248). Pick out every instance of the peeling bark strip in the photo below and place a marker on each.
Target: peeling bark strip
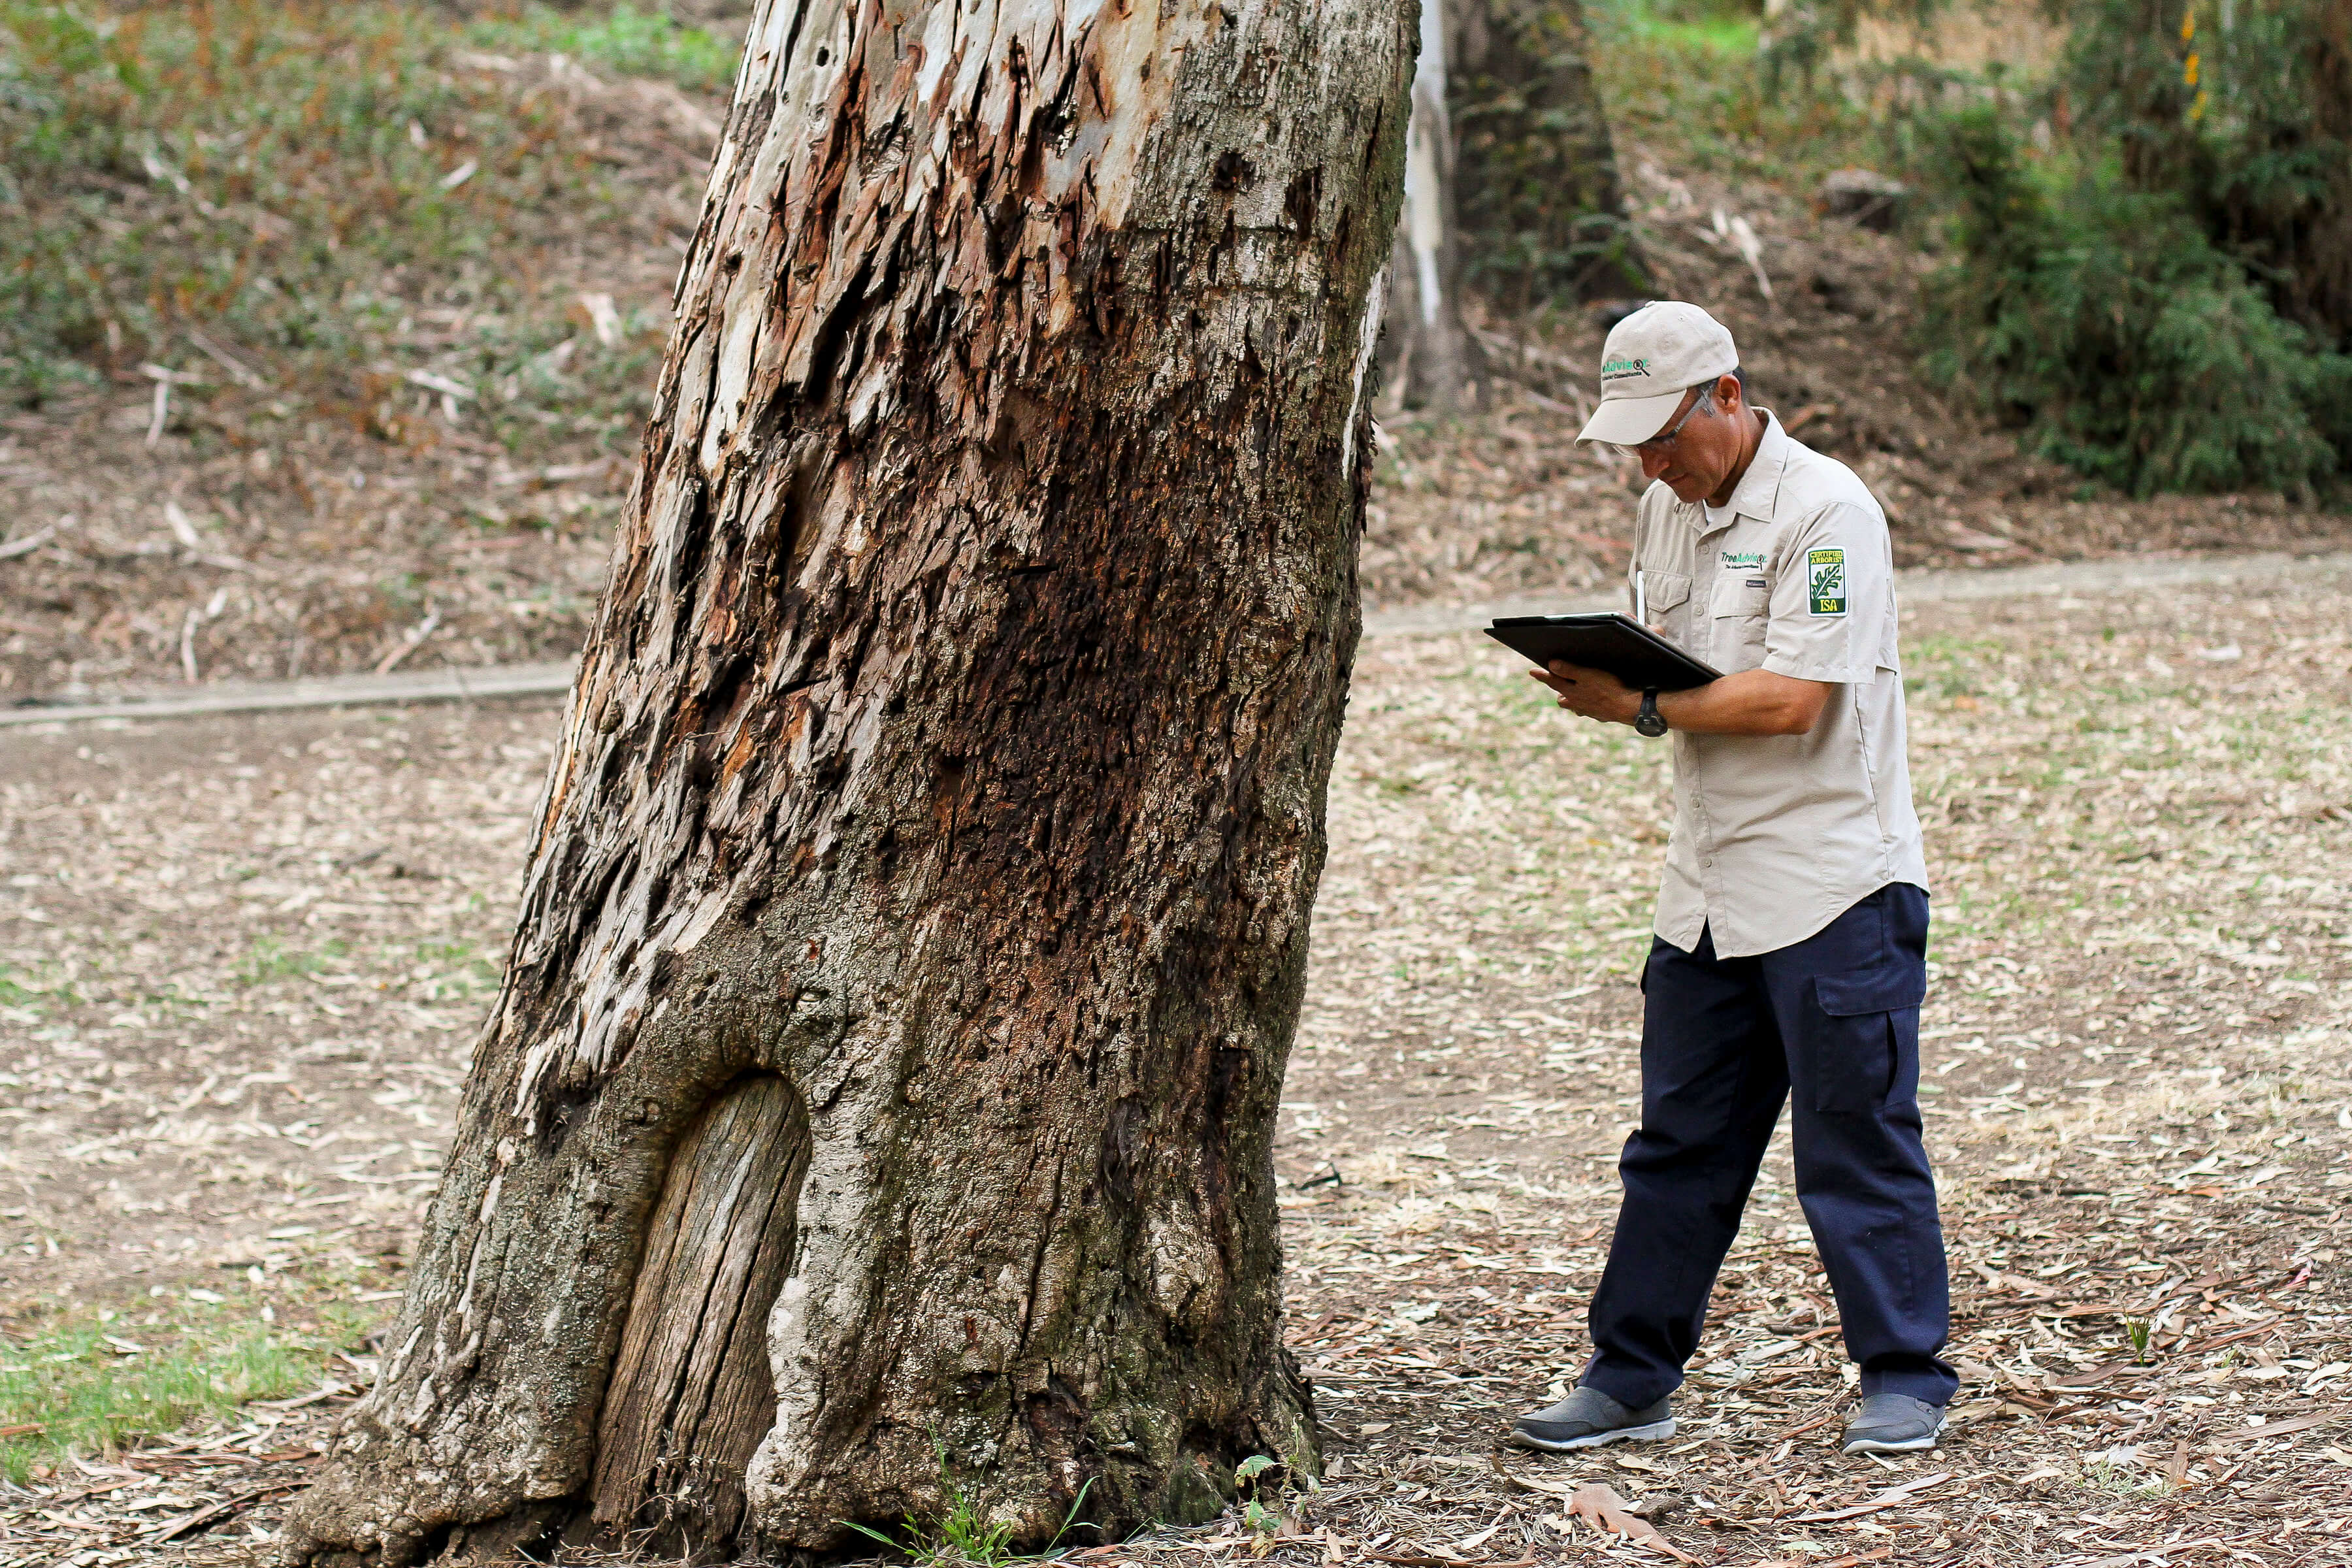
(951, 745)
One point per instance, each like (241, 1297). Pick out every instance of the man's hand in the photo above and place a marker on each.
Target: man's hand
(1753, 702)
(1594, 693)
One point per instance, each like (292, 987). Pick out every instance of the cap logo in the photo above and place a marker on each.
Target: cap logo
(1617, 369)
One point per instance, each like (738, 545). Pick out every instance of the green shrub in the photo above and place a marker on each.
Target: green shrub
(2245, 113)
(2103, 321)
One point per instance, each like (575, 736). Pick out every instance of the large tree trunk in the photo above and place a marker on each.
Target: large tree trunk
(914, 930)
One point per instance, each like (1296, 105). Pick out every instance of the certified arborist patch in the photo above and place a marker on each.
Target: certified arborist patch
(1825, 581)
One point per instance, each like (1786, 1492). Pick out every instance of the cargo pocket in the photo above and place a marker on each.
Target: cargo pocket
(1866, 1050)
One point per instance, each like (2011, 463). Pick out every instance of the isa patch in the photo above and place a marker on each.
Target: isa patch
(1825, 581)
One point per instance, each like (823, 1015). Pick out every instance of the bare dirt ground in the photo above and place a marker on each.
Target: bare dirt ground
(243, 961)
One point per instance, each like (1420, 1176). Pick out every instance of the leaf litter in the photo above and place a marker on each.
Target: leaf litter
(244, 961)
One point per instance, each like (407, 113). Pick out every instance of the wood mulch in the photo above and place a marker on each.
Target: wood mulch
(2138, 1084)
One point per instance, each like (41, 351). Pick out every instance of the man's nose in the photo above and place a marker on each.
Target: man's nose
(1652, 463)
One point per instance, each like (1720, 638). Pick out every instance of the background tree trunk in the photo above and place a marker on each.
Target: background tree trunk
(1541, 210)
(1427, 356)
(1510, 182)
(917, 915)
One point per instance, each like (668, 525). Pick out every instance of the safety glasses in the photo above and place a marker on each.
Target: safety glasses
(1664, 441)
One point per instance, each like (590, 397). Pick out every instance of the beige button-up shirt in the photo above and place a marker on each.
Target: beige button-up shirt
(1776, 835)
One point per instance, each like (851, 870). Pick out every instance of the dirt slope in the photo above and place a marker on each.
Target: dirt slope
(245, 543)
(1503, 503)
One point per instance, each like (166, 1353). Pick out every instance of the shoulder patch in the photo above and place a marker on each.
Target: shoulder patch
(1825, 581)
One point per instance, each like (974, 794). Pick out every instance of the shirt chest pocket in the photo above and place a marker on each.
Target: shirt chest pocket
(1665, 602)
(1738, 610)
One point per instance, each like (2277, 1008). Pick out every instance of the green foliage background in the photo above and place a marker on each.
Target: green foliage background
(2158, 297)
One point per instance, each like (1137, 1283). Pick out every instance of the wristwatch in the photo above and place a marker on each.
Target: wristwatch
(1649, 720)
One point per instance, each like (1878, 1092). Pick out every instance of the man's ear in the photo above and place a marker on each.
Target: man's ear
(1728, 392)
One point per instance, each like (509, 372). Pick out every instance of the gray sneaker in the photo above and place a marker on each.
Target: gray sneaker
(1588, 1419)
(1894, 1424)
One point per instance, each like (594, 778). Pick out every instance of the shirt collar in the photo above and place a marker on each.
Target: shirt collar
(1759, 490)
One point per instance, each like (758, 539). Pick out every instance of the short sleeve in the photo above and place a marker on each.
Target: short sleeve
(1834, 600)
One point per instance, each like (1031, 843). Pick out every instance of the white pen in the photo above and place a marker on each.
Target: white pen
(1640, 598)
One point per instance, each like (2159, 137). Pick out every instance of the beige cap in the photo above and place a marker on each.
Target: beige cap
(1651, 358)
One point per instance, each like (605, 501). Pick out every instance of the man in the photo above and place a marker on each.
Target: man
(1791, 937)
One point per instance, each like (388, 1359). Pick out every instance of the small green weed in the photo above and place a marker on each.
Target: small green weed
(453, 970)
(269, 958)
(2102, 1474)
(1260, 1520)
(964, 1534)
(2137, 1335)
(21, 988)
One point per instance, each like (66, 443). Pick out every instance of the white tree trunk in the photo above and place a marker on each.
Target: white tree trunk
(1430, 359)
(914, 931)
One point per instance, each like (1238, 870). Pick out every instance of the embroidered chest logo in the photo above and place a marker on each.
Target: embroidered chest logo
(1825, 581)
(1743, 561)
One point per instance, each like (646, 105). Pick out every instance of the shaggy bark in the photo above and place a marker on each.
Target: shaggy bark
(939, 809)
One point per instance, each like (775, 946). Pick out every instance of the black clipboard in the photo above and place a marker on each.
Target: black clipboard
(1616, 643)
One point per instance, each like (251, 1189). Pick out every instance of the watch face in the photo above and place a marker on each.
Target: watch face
(1650, 724)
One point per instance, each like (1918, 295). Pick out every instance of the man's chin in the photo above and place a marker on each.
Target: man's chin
(1687, 491)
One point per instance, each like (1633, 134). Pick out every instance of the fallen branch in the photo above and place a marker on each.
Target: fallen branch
(28, 544)
(1519, 1484)
(2275, 1429)
(1826, 1412)
(2245, 1333)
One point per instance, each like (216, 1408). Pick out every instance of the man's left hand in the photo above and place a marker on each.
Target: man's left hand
(1595, 693)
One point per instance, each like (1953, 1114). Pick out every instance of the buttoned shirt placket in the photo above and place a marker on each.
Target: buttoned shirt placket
(1710, 879)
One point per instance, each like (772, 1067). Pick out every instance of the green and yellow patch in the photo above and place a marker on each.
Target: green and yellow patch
(1825, 581)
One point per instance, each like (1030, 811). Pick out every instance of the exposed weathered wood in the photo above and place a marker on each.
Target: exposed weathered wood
(952, 744)
(691, 1396)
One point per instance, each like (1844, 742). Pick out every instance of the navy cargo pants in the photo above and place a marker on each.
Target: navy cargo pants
(1834, 1017)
